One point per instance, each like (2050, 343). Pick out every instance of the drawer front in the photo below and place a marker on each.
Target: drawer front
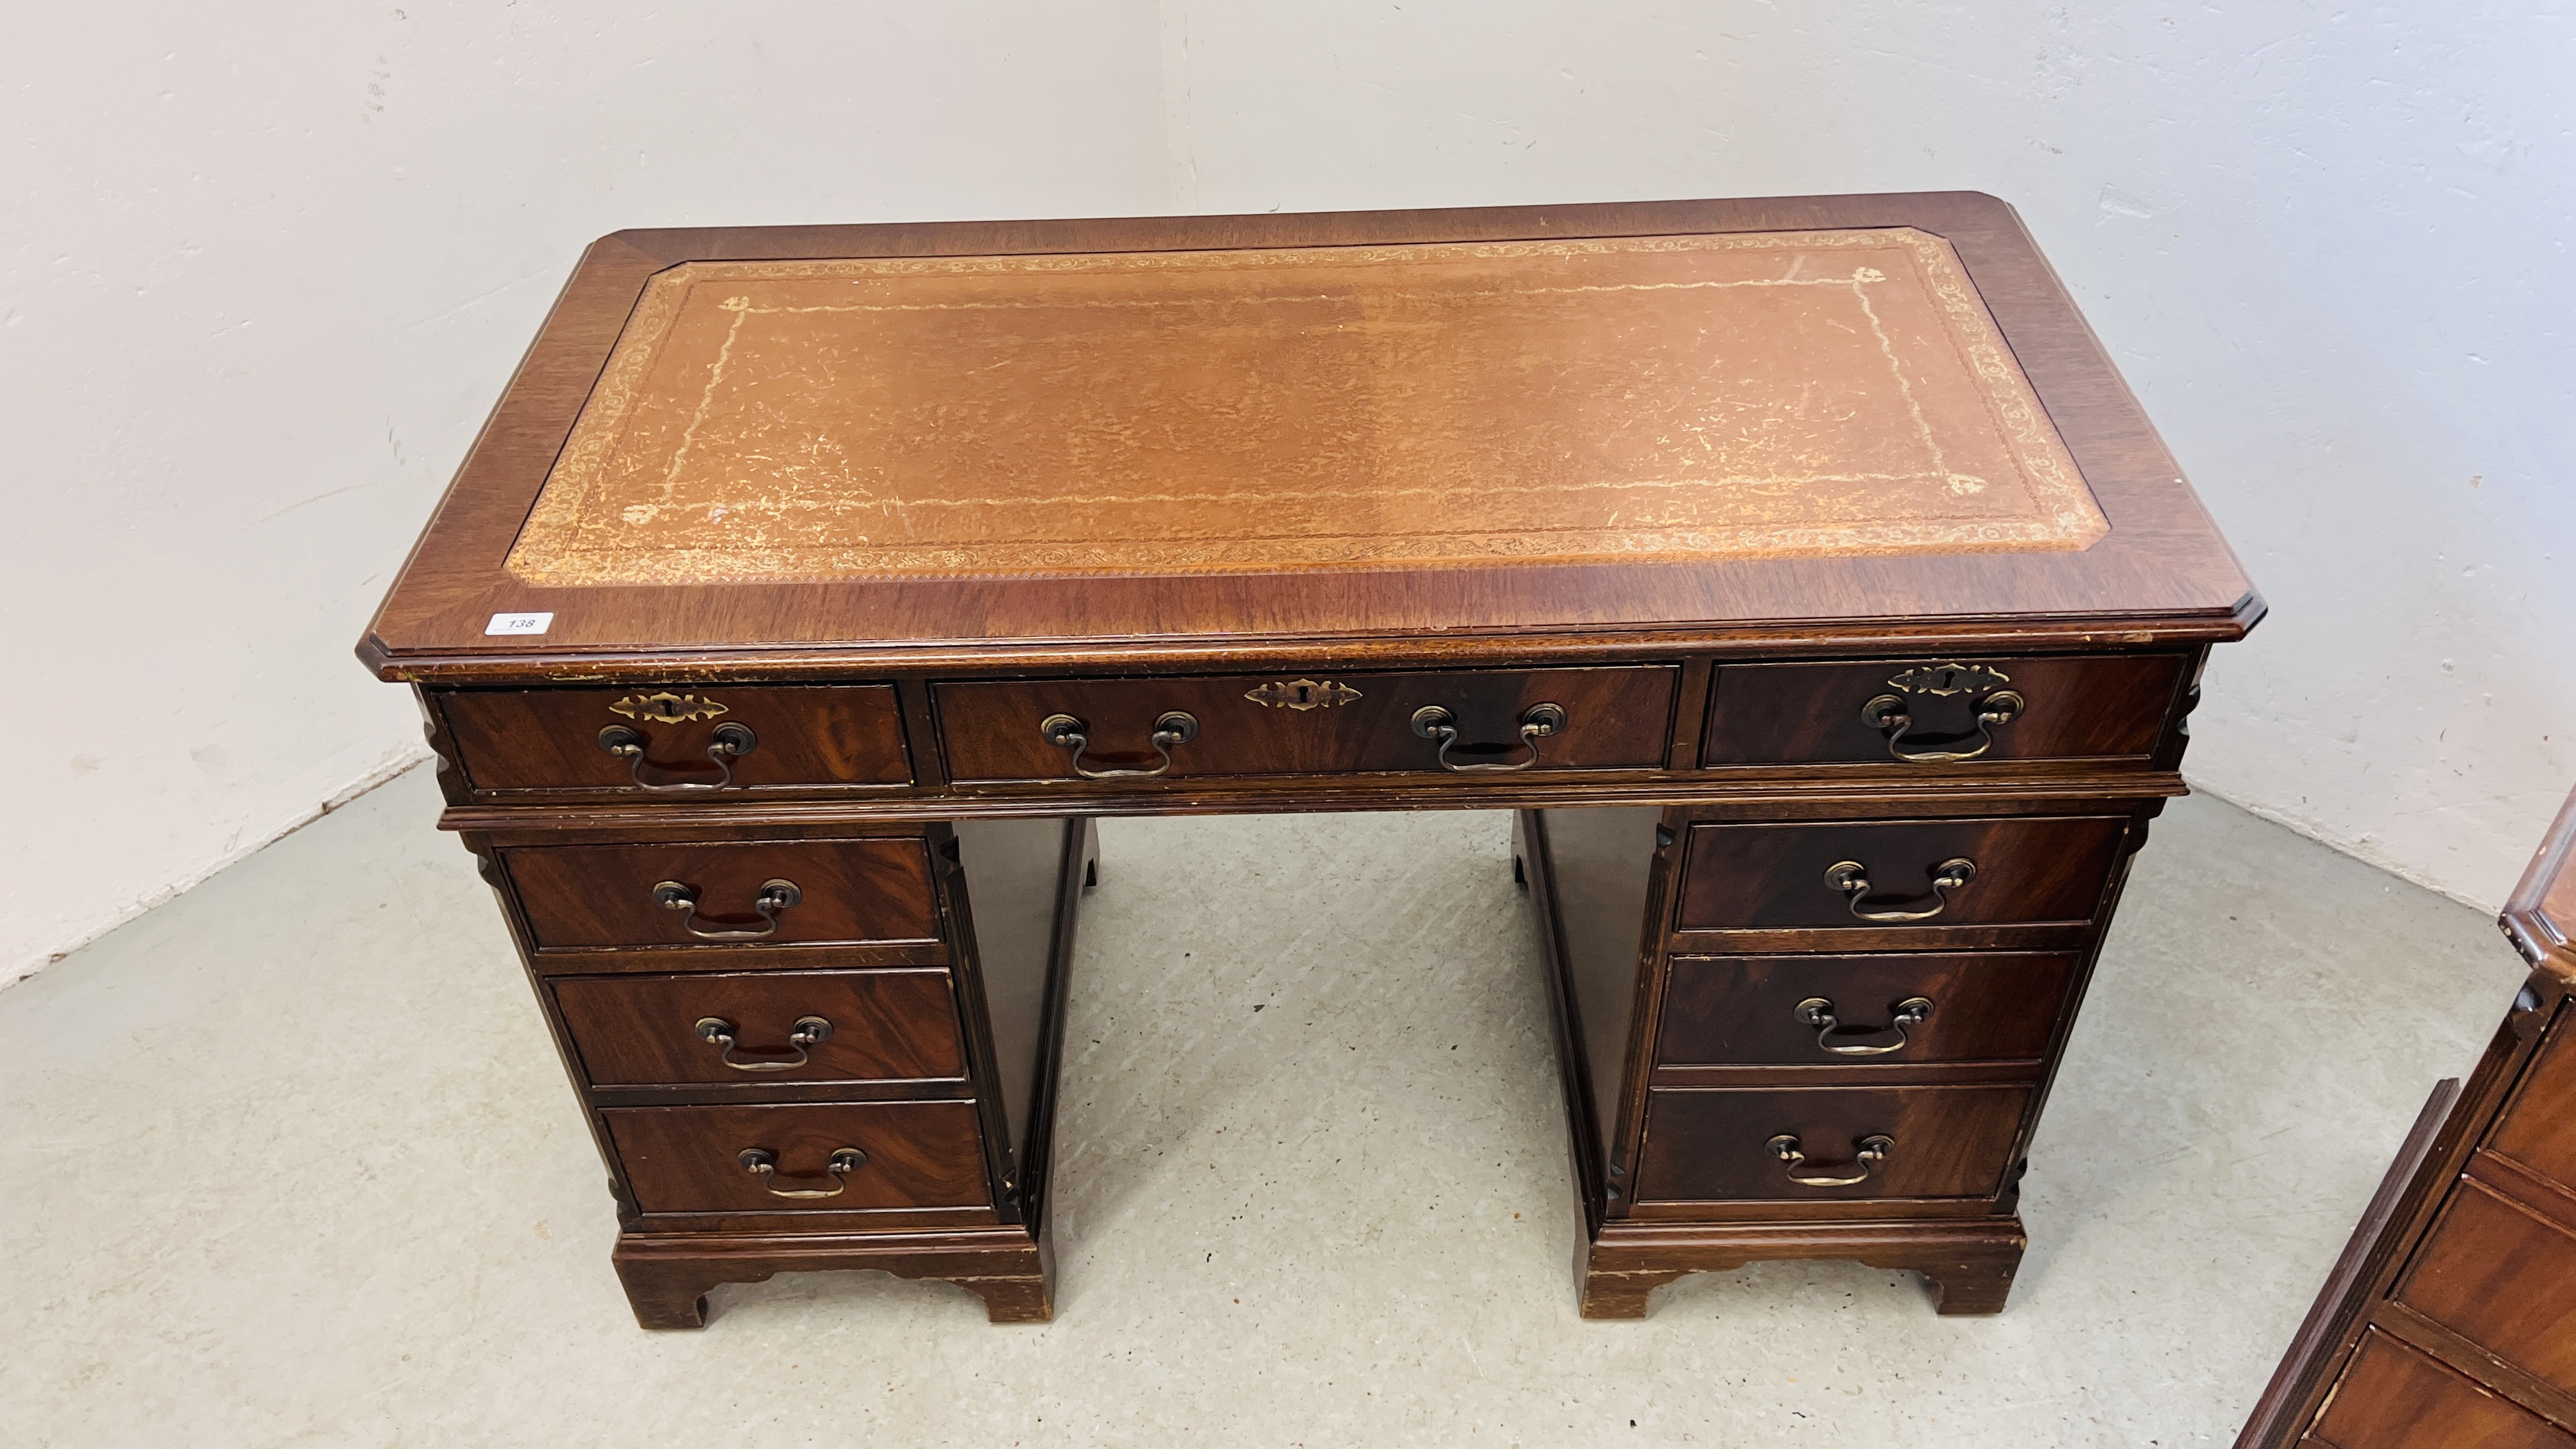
(770, 1026)
(848, 892)
(689, 737)
(2025, 871)
(1845, 1010)
(2538, 1129)
(2393, 1397)
(1299, 724)
(2503, 1279)
(690, 1159)
(2101, 706)
(1710, 1144)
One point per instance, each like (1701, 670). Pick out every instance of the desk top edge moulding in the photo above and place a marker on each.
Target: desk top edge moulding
(1718, 418)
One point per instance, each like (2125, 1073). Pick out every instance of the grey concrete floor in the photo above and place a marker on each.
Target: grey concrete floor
(290, 1160)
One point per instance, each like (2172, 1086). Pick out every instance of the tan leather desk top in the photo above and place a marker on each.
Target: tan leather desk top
(1159, 442)
(1656, 397)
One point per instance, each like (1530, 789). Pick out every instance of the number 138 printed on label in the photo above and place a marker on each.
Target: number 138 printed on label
(519, 623)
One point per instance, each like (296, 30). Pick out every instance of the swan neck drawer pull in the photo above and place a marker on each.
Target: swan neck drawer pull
(1852, 879)
(775, 896)
(1433, 722)
(1173, 727)
(762, 1163)
(1890, 715)
(731, 743)
(718, 1032)
(1857, 1041)
(1872, 1151)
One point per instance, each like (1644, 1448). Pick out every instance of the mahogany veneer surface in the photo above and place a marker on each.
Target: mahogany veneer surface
(548, 739)
(888, 1025)
(602, 895)
(2487, 1273)
(2075, 707)
(1726, 541)
(2396, 1398)
(1614, 718)
(1713, 1144)
(1985, 1006)
(2538, 1130)
(686, 1159)
(1749, 876)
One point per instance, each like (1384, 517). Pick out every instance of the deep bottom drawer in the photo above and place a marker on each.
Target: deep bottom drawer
(1710, 1144)
(908, 1155)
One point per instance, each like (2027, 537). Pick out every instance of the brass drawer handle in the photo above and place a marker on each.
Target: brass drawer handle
(762, 1163)
(1067, 733)
(1888, 715)
(731, 743)
(775, 896)
(717, 1031)
(1833, 1036)
(1432, 722)
(1873, 1151)
(1852, 879)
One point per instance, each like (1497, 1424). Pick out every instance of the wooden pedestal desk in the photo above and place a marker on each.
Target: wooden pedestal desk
(2451, 1318)
(1800, 571)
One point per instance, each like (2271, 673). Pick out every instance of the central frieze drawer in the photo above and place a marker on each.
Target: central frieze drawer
(872, 891)
(764, 1027)
(1899, 1007)
(1902, 874)
(828, 1157)
(1712, 1144)
(1488, 721)
(677, 741)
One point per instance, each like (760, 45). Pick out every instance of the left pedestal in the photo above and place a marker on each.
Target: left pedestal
(806, 1048)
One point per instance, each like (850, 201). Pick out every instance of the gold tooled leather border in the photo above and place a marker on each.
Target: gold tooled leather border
(563, 543)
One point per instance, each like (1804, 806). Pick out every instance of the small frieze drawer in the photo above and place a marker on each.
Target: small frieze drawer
(781, 894)
(1943, 712)
(822, 1157)
(1473, 722)
(1894, 1008)
(1736, 1144)
(679, 741)
(770, 1027)
(1904, 875)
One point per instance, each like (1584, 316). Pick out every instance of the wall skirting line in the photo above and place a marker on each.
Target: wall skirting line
(385, 771)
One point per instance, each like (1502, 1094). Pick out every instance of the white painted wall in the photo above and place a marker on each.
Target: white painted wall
(263, 271)
(262, 275)
(2328, 245)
